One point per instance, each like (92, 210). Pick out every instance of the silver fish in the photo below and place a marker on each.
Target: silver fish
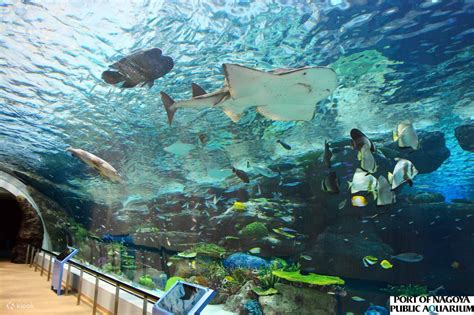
(385, 195)
(409, 257)
(404, 171)
(362, 181)
(366, 158)
(406, 135)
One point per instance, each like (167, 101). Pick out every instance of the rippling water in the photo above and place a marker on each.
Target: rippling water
(395, 60)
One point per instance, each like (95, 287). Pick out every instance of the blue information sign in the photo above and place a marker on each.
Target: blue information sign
(58, 268)
(184, 298)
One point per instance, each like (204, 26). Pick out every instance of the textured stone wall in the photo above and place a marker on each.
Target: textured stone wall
(30, 232)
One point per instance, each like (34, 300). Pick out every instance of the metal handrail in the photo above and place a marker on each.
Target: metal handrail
(32, 252)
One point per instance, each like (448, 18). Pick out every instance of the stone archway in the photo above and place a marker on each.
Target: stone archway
(32, 228)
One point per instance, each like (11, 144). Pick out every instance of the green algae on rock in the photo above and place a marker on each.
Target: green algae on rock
(254, 230)
(147, 281)
(204, 249)
(262, 292)
(312, 278)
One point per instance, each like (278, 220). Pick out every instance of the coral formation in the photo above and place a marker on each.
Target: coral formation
(242, 260)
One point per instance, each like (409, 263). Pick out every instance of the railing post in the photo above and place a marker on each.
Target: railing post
(145, 304)
(36, 260)
(96, 293)
(27, 254)
(32, 256)
(49, 267)
(79, 288)
(67, 279)
(117, 293)
(42, 264)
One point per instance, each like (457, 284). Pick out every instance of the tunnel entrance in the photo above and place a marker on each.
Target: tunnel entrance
(20, 225)
(9, 223)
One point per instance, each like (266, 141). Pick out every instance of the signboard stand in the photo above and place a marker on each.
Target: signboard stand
(183, 298)
(58, 268)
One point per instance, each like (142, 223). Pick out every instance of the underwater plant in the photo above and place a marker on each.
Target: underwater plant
(114, 248)
(80, 233)
(237, 278)
(312, 278)
(210, 250)
(147, 281)
(110, 268)
(406, 290)
(241, 275)
(254, 230)
(128, 265)
(266, 278)
(214, 273)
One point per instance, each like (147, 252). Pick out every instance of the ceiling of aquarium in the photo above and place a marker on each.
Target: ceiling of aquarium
(395, 61)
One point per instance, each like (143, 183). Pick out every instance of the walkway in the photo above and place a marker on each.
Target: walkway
(23, 291)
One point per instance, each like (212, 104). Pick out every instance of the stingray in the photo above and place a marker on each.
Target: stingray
(142, 67)
(279, 95)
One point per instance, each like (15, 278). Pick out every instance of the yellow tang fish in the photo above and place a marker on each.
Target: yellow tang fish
(385, 264)
(359, 201)
(239, 206)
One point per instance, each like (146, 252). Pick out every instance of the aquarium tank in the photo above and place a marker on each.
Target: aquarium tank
(298, 157)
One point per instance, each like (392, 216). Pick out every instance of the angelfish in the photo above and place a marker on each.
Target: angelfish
(404, 171)
(102, 167)
(406, 135)
(367, 161)
(359, 139)
(363, 181)
(385, 195)
(327, 154)
(330, 183)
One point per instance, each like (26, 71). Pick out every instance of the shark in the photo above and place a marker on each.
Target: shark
(282, 94)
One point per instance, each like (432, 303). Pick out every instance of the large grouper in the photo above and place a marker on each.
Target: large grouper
(142, 67)
(278, 95)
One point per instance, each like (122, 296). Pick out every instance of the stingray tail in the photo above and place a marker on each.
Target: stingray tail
(168, 102)
(112, 77)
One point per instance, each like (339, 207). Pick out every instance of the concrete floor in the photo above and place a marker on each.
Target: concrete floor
(23, 291)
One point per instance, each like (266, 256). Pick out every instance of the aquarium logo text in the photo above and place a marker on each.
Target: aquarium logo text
(407, 305)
